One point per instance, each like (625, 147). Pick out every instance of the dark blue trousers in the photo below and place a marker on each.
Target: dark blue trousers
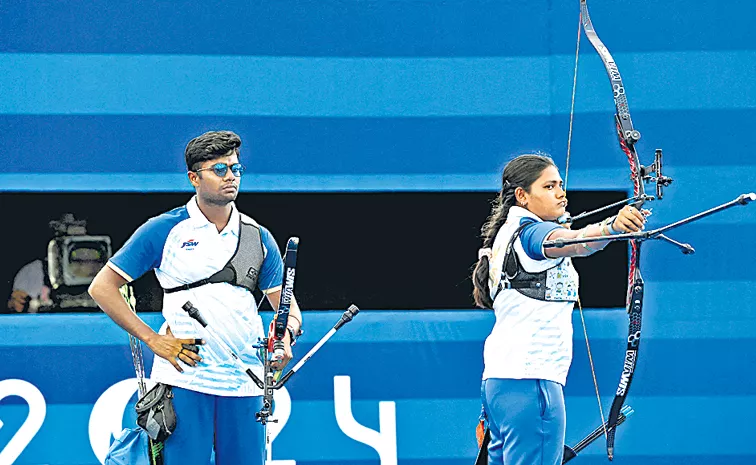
(204, 420)
(527, 421)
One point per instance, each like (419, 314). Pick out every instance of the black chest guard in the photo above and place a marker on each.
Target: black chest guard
(244, 266)
(556, 284)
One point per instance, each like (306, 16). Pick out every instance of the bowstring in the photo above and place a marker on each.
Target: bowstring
(566, 178)
(572, 102)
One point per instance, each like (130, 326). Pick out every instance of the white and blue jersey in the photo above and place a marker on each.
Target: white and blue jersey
(531, 339)
(183, 247)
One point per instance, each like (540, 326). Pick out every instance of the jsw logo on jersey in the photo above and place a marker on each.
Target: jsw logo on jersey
(190, 244)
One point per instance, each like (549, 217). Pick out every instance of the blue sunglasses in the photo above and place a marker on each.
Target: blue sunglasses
(220, 169)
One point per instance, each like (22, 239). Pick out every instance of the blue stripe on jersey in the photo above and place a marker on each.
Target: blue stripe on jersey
(144, 249)
(533, 235)
(271, 274)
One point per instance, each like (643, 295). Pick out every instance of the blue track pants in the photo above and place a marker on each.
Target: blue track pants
(527, 421)
(204, 420)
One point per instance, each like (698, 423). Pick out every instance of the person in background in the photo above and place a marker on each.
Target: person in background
(31, 285)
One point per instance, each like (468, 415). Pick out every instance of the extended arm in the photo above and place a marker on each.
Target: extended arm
(629, 219)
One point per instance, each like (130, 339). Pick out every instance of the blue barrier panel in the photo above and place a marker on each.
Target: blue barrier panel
(66, 386)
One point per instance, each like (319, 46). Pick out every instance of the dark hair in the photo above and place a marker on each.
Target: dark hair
(209, 146)
(523, 171)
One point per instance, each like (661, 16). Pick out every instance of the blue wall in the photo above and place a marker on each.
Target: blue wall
(404, 95)
(334, 95)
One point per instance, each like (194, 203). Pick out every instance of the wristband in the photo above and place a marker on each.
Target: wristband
(293, 335)
(610, 224)
(605, 231)
(585, 245)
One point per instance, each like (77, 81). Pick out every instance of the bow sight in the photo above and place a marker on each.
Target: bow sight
(658, 178)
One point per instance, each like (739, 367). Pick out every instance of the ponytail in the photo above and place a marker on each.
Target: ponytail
(504, 201)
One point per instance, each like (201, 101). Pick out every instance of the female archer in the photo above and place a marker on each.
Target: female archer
(532, 291)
